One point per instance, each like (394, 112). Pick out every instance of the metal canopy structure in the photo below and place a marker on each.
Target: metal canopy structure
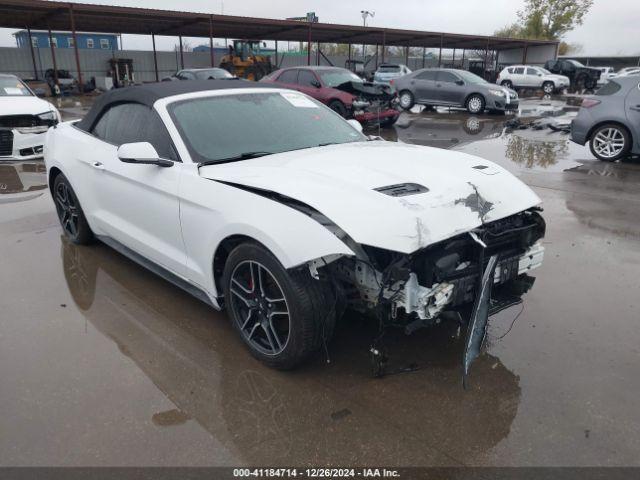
(45, 15)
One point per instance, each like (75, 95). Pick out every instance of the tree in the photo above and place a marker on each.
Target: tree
(570, 48)
(547, 19)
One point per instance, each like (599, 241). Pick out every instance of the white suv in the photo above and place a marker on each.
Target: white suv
(526, 76)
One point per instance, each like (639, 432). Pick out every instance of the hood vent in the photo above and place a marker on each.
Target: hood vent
(402, 189)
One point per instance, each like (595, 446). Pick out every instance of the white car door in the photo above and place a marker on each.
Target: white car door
(518, 78)
(137, 205)
(533, 77)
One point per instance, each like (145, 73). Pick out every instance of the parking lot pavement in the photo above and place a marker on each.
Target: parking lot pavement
(103, 363)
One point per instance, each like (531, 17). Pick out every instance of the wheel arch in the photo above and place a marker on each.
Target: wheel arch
(51, 177)
(466, 99)
(610, 122)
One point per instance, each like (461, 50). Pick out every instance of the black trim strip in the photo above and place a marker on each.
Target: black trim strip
(157, 269)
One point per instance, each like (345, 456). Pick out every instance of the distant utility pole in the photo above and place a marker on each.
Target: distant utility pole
(365, 14)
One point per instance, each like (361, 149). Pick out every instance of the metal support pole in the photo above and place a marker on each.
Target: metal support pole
(213, 57)
(318, 53)
(424, 56)
(453, 60)
(440, 54)
(497, 57)
(53, 59)
(384, 44)
(276, 62)
(181, 54)
(75, 48)
(524, 54)
(155, 57)
(406, 55)
(309, 45)
(485, 64)
(349, 55)
(33, 55)
(463, 52)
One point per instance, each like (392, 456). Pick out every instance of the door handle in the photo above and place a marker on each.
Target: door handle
(636, 108)
(97, 165)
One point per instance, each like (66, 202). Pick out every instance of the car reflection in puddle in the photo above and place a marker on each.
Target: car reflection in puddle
(22, 181)
(323, 412)
(486, 136)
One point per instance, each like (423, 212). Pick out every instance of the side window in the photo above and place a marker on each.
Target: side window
(289, 76)
(532, 71)
(510, 70)
(307, 78)
(427, 75)
(133, 122)
(518, 70)
(447, 77)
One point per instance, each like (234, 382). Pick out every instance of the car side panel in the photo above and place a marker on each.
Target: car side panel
(632, 104)
(211, 211)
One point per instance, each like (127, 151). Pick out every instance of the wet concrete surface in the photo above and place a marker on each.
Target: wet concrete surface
(103, 363)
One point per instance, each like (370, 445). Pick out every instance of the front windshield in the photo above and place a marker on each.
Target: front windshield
(12, 87)
(214, 73)
(470, 77)
(333, 78)
(544, 70)
(389, 68)
(224, 127)
(576, 63)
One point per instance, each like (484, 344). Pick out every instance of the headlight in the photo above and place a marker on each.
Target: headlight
(49, 117)
(497, 93)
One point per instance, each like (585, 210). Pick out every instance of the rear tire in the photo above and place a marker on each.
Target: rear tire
(507, 83)
(72, 219)
(258, 290)
(338, 107)
(475, 104)
(610, 142)
(407, 101)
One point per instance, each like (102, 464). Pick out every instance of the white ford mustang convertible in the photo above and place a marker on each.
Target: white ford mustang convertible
(264, 202)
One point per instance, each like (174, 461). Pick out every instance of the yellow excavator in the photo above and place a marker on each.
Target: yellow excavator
(245, 60)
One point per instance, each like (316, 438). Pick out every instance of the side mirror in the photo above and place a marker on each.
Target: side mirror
(141, 153)
(355, 124)
(316, 84)
(459, 82)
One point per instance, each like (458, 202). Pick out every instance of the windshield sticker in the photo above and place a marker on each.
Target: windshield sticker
(298, 100)
(13, 91)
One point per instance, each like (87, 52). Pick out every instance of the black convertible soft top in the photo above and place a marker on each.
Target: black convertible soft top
(148, 94)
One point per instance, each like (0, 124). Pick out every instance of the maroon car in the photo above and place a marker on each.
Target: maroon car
(342, 91)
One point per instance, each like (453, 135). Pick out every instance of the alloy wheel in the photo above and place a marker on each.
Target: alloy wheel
(609, 142)
(405, 100)
(260, 307)
(475, 104)
(548, 88)
(67, 209)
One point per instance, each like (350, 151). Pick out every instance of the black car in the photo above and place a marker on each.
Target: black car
(580, 76)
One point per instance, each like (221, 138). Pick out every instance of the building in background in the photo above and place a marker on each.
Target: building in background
(86, 41)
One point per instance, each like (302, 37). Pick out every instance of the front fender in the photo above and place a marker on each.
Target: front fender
(211, 211)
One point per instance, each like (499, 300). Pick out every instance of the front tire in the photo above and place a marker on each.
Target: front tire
(72, 219)
(338, 107)
(610, 142)
(407, 101)
(475, 104)
(283, 316)
(548, 88)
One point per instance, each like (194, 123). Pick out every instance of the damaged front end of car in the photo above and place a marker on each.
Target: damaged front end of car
(372, 103)
(468, 277)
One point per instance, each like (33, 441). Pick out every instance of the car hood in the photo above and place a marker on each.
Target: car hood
(24, 105)
(340, 181)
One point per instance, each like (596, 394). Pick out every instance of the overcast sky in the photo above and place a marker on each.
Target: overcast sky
(612, 27)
